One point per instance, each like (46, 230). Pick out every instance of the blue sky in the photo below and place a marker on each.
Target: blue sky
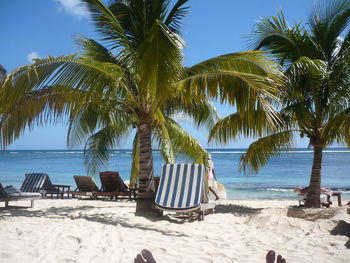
(47, 27)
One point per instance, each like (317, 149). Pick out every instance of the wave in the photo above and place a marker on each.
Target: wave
(282, 152)
(280, 189)
(345, 190)
(65, 152)
(217, 152)
(46, 152)
(57, 152)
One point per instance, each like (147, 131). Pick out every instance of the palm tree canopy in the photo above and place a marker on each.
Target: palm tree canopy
(134, 76)
(315, 101)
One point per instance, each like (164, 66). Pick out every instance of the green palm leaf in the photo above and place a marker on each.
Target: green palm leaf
(260, 151)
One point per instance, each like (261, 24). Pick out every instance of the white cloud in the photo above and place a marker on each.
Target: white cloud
(73, 7)
(32, 55)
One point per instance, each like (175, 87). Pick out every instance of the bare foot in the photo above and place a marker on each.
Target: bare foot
(271, 256)
(146, 257)
(280, 259)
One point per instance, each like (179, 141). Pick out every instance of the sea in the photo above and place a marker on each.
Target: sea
(274, 181)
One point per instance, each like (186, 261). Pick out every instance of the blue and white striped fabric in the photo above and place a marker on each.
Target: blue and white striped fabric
(180, 186)
(34, 182)
(3, 193)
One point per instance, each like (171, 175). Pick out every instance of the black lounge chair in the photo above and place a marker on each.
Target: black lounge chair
(41, 183)
(113, 185)
(86, 185)
(6, 197)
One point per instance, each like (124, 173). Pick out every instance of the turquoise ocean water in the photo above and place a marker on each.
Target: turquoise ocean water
(275, 181)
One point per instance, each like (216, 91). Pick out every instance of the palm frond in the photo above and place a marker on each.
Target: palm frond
(176, 14)
(96, 150)
(247, 80)
(337, 129)
(328, 21)
(260, 151)
(85, 118)
(35, 108)
(276, 36)
(242, 124)
(158, 64)
(194, 107)
(91, 49)
(237, 78)
(185, 145)
(107, 24)
(78, 73)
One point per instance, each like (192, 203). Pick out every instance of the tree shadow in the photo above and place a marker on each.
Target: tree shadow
(51, 212)
(343, 229)
(311, 214)
(237, 210)
(75, 213)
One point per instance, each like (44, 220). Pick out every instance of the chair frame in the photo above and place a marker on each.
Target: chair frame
(81, 182)
(47, 187)
(199, 210)
(5, 197)
(106, 177)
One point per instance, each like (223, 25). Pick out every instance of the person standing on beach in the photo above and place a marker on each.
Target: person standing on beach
(211, 176)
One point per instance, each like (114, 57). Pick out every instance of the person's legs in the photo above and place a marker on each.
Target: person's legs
(213, 192)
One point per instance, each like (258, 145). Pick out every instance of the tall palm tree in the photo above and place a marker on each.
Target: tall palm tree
(315, 103)
(135, 79)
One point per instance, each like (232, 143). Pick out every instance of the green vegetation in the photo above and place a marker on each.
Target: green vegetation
(315, 104)
(134, 79)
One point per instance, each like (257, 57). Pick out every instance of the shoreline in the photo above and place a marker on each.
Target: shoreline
(72, 230)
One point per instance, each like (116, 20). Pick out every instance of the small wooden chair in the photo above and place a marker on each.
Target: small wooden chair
(111, 182)
(86, 185)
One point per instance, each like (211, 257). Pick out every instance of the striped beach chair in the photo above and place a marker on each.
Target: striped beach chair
(34, 182)
(182, 189)
(5, 197)
(41, 183)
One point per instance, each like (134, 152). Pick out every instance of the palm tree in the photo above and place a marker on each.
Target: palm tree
(2, 75)
(135, 80)
(315, 103)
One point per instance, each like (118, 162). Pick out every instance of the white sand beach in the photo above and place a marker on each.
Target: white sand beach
(107, 231)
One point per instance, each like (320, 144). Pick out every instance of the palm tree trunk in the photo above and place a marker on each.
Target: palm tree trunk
(145, 183)
(313, 196)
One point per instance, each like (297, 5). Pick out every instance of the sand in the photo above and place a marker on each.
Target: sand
(107, 231)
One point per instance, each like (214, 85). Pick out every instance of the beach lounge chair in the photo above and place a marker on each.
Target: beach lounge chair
(41, 183)
(19, 196)
(86, 185)
(113, 185)
(326, 199)
(182, 189)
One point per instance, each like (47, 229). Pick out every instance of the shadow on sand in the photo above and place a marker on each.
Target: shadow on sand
(82, 212)
(343, 229)
(237, 210)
